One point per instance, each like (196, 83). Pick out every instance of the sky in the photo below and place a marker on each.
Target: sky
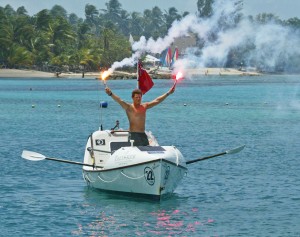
(283, 9)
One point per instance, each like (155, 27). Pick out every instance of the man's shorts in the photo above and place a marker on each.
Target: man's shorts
(140, 138)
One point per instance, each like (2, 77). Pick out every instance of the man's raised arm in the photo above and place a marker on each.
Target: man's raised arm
(116, 98)
(160, 98)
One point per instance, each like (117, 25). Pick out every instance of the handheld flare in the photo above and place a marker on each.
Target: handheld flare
(104, 76)
(179, 76)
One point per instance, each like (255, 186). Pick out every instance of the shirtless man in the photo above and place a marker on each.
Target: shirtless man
(136, 113)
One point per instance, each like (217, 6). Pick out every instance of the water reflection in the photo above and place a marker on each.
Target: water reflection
(112, 214)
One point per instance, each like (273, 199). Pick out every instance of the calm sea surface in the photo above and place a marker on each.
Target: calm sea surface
(253, 193)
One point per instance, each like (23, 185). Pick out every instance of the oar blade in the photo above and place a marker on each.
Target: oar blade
(235, 150)
(232, 151)
(33, 156)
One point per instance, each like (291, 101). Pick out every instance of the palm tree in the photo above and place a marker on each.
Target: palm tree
(171, 16)
(136, 24)
(42, 20)
(21, 11)
(116, 16)
(92, 19)
(24, 31)
(9, 11)
(124, 23)
(58, 11)
(265, 18)
(6, 36)
(19, 55)
(154, 23)
(63, 35)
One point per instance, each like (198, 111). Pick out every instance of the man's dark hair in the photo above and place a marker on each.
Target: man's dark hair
(136, 91)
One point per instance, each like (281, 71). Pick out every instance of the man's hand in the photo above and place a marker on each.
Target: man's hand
(171, 91)
(108, 91)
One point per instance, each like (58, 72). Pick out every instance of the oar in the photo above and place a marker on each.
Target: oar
(92, 149)
(34, 156)
(232, 151)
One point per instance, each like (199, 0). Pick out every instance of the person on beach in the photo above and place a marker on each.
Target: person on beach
(136, 113)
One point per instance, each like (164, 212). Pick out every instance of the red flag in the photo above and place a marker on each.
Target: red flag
(145, 81)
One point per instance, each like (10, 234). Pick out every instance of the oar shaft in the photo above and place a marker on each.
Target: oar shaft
(92, 149)
(205, 158)
(71, 162)
(232, 151)
(34, 156)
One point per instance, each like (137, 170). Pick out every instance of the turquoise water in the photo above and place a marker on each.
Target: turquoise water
(253, 193)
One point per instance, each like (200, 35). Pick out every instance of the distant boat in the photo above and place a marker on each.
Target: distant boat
(175, 56)
(166, 57)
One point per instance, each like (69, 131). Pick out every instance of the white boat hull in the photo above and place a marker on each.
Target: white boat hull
(154, 178)
(154, 171)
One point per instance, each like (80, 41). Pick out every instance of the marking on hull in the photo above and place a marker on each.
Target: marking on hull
(149, 176)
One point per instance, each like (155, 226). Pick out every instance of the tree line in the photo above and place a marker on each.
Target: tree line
(53, 40)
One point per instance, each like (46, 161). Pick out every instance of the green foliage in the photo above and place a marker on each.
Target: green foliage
(56, 38)
(19, 54)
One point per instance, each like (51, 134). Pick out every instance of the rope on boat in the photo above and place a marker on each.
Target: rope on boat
(131, 177)
(87, 177)
(110, 181)
(125, 175)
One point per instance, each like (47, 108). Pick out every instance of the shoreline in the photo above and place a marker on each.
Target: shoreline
(154, 73)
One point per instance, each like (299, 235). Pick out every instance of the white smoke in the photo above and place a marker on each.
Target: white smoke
(181, 28)
(126, 61)
(269, 42)
(157, 46)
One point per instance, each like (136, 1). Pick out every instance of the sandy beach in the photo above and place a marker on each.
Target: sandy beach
(156, 74)
(16, 73)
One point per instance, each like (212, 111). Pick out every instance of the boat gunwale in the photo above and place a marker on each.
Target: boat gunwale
(128, 166)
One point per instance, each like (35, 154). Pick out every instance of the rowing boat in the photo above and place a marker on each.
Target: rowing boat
(116, 165)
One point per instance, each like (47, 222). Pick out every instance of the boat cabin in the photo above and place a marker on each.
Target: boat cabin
(102, 144)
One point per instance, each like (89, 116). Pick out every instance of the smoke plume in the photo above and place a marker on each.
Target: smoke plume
(267, 44)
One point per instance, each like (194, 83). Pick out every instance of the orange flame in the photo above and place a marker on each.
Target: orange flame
(104, 75)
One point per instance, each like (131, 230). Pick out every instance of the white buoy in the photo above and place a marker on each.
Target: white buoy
(32, 106)
(58, 106)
